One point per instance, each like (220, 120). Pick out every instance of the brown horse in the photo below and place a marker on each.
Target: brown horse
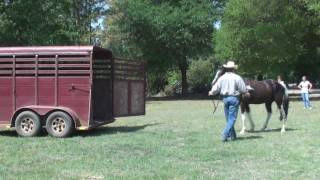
(262, 92)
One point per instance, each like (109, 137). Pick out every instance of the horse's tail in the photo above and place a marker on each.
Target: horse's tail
(285, 99)
(282, 88)
(286, 102)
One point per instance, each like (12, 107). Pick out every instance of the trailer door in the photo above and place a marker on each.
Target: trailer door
(128, 88)
(102, 111)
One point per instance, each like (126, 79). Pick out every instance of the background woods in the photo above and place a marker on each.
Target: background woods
(183, 41)
(47, 22)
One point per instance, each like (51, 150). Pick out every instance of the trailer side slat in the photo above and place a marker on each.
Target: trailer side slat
(66, 65)
(60, 72)
(32, 54)
(45, 66)
(50, 59)
(6, 72)
(130, 71)
(2, 66)
(6, 59)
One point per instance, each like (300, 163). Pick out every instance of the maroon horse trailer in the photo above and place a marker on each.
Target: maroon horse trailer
(65, 88)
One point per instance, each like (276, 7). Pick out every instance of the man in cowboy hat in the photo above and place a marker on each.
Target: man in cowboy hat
(230, 86)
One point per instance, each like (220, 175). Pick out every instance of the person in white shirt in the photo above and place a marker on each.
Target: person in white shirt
(305, 87)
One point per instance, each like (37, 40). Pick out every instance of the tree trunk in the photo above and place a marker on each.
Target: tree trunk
(183, 66)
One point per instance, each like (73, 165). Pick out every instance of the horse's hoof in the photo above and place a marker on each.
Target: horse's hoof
(242, 132)
(283, 130)
(263, 128)
(252, 128)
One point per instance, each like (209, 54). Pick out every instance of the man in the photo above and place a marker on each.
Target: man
(305, 87)
(230, 86)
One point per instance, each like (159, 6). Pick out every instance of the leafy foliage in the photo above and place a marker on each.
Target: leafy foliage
(46, 22)
(266, 35)
(166, 32)
(200, 75)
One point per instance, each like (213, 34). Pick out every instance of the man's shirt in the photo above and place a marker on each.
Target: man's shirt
(229, 84)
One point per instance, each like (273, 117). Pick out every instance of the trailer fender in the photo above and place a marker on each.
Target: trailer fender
(44, 111)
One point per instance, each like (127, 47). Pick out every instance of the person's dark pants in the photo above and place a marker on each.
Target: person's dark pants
(231, 107)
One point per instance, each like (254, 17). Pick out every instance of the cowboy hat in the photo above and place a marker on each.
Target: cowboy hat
(230, 65)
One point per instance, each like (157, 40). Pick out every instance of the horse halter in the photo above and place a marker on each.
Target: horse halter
(215, 104)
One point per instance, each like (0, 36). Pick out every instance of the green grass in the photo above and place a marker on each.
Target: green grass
(175, 140)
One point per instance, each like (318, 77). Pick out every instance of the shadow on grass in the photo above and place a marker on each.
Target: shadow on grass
(112, 130)
(13, 133)
(8, 133)
(99, 131)
(273, 130)
(181, 98)
(248, 138)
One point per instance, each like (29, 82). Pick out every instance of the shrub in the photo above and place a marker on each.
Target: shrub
(174, 84)
(156, 82)
(200, 75)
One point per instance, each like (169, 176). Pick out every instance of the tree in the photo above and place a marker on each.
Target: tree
(85, 13)
(266, 35)
(309, 60)
(165, 32)
(48, 22)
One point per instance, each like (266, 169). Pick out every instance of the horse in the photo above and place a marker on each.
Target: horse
(261, 92)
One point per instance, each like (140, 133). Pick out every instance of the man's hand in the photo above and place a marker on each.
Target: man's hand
(210, 93)
(246, 95)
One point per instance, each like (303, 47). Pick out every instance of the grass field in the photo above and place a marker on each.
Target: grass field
(175, 140)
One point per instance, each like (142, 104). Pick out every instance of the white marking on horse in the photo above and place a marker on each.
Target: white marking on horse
(284, 119)
(249, 88)
(243, 118)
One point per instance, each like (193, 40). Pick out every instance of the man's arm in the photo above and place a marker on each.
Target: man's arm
(300, 85)
(241, 86)
(215, 89)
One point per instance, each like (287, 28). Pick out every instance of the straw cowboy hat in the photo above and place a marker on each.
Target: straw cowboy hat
(230, 65)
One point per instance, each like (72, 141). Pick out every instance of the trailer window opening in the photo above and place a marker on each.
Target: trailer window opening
(128, 70)
(102, 68)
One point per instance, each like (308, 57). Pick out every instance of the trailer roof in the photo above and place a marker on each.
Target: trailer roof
(53, 50)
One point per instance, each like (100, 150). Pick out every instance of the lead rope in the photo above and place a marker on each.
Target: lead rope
(215, 105)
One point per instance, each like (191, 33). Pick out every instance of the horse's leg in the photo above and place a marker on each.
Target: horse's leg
(249, 117)
(283, 117)
(243, 118)
(269, 111)
(284, 120)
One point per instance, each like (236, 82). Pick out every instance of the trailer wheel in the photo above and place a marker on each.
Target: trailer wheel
(59, 124)
(28, 124)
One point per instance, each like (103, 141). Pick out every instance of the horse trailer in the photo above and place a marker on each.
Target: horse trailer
(67, 88)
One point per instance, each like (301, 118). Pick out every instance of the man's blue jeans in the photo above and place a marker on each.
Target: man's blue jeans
(306, 101)
(231, 107)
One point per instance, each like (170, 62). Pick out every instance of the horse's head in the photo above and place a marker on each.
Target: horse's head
(219, 73)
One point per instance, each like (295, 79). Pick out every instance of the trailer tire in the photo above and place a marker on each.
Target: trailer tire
(59, 124)
(28, 124)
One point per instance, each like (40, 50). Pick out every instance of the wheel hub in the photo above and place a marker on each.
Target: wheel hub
(58, 125)
(27, 124)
